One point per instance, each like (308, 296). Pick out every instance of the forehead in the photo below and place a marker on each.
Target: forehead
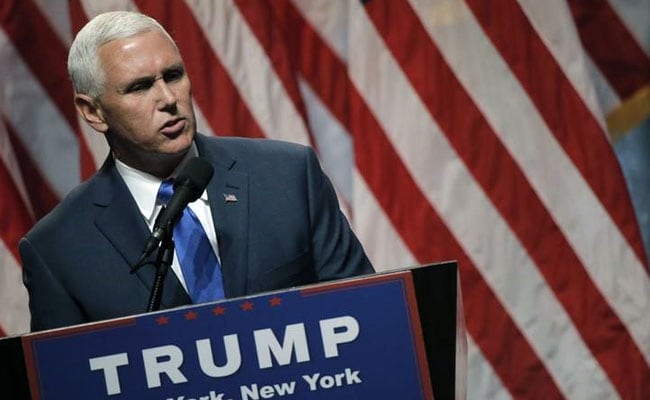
(147, 53)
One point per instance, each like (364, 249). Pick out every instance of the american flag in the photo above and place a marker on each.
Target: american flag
(469, 130)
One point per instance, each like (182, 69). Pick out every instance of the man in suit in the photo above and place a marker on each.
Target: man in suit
(269, 212)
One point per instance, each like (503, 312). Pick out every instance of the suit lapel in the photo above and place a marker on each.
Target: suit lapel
(228, 194)
(120, 221)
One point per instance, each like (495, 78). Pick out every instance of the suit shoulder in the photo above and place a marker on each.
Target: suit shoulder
(67, 212)
(239, 146)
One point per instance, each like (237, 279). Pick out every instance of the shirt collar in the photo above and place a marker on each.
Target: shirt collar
(144, 187)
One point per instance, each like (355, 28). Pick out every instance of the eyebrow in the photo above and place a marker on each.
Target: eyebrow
(151, 78)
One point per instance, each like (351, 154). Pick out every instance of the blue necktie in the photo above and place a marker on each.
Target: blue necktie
(199, 264)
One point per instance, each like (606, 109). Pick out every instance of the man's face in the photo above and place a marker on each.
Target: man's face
(146, 105)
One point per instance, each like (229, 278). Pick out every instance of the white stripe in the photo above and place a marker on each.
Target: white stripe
(43, 131)
(554, 24)
(332, 140)
(332, 19)
(452, 191)
(8, 158)
(485, 383)
(14, 311)
(383, 245)
(607, 96)
(250, 69)
(597, 241)
(634, 14)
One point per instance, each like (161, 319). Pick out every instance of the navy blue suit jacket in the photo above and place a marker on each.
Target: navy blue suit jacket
(284, 230)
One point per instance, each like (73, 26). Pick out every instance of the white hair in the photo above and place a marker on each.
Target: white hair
(83, 63)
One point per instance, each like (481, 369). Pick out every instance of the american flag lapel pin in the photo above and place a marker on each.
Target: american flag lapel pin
(229, 198)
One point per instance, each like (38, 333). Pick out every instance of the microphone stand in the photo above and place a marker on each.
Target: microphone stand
(164, 259)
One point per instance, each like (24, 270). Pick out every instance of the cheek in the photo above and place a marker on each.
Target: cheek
(132, 119)
(183, 92)
(137, 111)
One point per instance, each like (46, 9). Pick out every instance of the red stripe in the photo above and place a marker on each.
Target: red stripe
(562, 108)
(609, 43)
(213, 90)
(15, 221)
(78, 17)
(41, 195)
(499, 176)
(412, 216)
(46, 57)
(260, 18)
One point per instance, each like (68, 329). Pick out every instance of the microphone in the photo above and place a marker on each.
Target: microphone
(188, 186)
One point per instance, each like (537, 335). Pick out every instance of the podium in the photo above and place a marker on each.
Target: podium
(395, 335)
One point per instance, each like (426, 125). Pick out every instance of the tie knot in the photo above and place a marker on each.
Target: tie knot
(166, 190)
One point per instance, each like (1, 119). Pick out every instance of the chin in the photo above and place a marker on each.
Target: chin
(179, 145)
(177, 152)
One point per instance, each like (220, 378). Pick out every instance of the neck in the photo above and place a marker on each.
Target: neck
(158, 165)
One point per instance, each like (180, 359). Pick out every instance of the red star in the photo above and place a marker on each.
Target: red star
(275, 301)
(219, 310)
(247, 306)
(162, 320)
(190, 315)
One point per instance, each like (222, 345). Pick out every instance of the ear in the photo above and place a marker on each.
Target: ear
(90, 110)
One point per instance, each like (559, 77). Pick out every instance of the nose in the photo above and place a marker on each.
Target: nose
(167, 97)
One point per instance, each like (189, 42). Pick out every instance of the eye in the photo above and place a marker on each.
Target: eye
(139, 86)
(173, 75)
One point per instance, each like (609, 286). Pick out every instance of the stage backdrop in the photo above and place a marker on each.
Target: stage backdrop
(473, 130)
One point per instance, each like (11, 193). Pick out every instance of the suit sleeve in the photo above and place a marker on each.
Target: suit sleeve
(336, 250)
(49, 303)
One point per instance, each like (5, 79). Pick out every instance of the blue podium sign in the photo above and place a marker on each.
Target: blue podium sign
(352, 339)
